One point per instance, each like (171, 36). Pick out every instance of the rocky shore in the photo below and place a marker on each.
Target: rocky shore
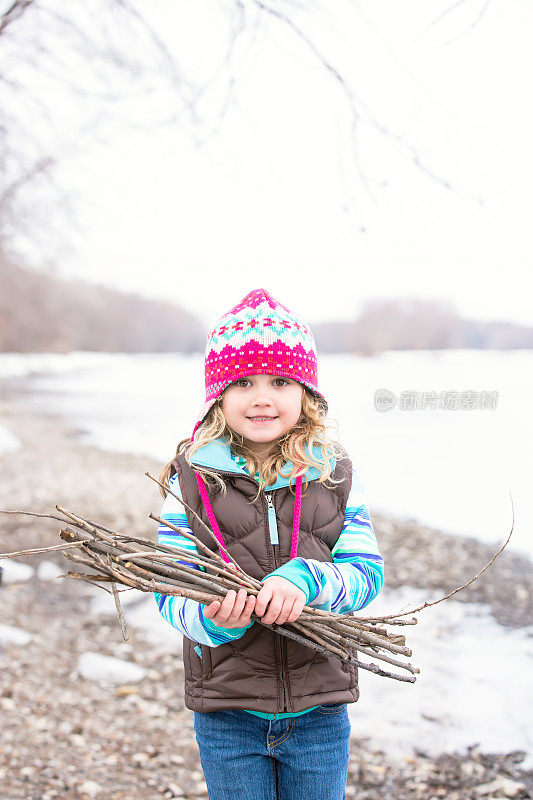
(65, 736)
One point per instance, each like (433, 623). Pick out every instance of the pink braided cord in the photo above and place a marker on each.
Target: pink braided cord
(216, 530)
(297, 514)
(211, 516)
(214, 524)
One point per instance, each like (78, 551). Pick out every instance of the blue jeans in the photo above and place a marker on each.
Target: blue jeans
(245, 757)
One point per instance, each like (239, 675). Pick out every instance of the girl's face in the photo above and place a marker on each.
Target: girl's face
(279, 399)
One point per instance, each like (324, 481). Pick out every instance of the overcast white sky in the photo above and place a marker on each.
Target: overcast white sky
(275, 197)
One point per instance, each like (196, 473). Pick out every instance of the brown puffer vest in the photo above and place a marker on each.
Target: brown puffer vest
(263, 671)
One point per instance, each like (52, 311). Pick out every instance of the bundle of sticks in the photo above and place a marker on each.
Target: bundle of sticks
(136, 562)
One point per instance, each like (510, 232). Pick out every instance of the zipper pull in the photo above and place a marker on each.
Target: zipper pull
(272, 522)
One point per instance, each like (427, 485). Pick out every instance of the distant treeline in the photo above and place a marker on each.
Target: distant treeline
(44, 313)
(40, 312)
(416, 324)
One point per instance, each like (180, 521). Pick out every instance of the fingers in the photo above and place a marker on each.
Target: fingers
(232, 606)
(284, 610)
(263, 599)
(285, 602)
(278, 601)
(234, 611)
(274, 609)
(211, 609)
(296, 609)
(248, 611)
(290, 611)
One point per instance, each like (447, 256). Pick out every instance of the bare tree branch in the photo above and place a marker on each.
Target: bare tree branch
(14, 12)
(356, 104)
(445, 14)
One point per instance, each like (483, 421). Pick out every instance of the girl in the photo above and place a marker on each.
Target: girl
(270, 714)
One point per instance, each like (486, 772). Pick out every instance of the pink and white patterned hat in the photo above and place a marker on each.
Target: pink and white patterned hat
(258, 336)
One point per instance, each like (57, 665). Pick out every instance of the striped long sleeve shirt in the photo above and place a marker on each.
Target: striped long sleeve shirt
(348, 584)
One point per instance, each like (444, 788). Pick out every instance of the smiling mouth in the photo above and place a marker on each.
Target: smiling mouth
(261, 419)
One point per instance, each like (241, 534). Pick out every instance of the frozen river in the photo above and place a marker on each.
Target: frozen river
(455, 469)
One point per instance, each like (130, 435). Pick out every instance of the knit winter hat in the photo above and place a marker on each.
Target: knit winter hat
(258, 336)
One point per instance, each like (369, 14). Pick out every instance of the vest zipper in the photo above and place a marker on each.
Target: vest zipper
(272, 522)
(278, 640)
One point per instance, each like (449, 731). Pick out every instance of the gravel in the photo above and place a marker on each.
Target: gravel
(66, 736)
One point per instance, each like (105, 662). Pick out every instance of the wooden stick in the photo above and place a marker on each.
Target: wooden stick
(123, 627)
(40, 550)
(200, 520)
(190, 558)
(459, 588)
(200, 544)
(331, 636)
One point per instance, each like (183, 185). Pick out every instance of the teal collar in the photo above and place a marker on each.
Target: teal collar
(216, 454)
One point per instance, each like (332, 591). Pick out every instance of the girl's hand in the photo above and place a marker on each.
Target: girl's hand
(286, 601)
(234, 611)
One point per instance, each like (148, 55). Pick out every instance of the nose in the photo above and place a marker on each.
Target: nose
(261, 398)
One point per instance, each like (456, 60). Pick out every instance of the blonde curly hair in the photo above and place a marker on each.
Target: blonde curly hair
(311, 428)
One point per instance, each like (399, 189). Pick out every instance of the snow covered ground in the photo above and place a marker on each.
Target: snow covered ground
(8, 442)
(434, 465)
(474, 684)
